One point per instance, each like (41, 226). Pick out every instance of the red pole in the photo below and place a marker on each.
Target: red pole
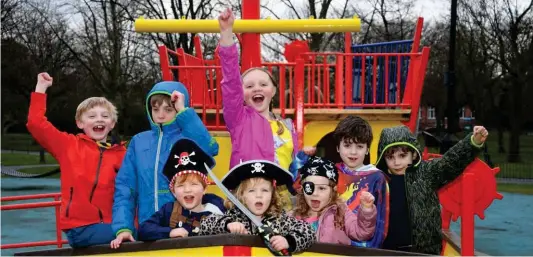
(58, 228)
(251, 42)
(467, 216)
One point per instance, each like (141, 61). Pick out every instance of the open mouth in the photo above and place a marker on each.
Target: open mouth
(99, 128)
(315, 204)
(258, 205)
(353, 159)
(258, 99)
(188, 199)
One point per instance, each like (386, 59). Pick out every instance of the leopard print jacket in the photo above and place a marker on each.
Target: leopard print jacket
(299, 234)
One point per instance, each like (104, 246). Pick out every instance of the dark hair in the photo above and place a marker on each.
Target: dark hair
(353, 129)
(398, 148)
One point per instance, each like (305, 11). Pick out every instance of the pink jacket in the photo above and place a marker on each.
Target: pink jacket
(360, 226)
(251, 134)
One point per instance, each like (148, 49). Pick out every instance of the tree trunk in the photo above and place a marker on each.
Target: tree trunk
(516, 121)
(42, 160)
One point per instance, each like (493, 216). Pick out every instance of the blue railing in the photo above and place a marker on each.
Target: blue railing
(403, 46)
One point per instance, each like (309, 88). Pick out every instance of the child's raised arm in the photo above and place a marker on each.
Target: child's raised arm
(232, 92)
(361, 226)
(452, 164)
(192, 126)
(40, 128)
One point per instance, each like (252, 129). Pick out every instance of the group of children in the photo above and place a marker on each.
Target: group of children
(159, 181)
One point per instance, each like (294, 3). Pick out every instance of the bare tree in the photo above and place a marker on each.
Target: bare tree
(507, 27)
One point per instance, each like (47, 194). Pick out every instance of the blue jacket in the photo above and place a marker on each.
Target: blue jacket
(140, 184)
(158, 226)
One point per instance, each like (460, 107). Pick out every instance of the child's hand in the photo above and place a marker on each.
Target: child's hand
(480, 135)
(279, 243)
(367, 200)
(226, 20)
(309, 150)
(179, 232)
(178, 99)
(44, 81)
(237, 228)
(126, 235)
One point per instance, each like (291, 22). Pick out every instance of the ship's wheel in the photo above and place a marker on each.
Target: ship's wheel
(484, 190)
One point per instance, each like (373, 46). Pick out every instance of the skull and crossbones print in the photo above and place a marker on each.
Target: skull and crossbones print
(330, 172)
(309, 188)
(184, 159)
(258, 167)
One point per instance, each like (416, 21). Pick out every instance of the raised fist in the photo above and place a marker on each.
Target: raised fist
(226, 20)
(43, 82)
(367, 199)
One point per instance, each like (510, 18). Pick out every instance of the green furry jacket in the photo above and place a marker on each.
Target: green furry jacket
(423, 180)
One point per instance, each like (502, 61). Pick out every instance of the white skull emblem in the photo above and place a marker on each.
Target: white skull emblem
(184, 159)
(317, 160)
(258, 167)
(312, 170)
(330, 174)
(308, 188)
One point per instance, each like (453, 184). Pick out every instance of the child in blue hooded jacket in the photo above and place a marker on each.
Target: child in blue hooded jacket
(140, 185)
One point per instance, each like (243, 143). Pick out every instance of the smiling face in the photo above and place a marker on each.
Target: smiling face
(398, 159)
(257, 195)
(352, 153)
(259, 89)
(321, 196)
(189, 190)
(96, 122)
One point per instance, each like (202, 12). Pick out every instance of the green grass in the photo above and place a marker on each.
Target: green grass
(516, 188)
(19, 142)
(16, 159)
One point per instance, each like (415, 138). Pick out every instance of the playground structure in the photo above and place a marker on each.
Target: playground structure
(380, 82)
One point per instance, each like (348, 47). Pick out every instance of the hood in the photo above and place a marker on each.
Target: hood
(213, 203)
(165, 87)
(399, 135)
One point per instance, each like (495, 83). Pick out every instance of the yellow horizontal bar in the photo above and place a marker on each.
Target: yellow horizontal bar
(249, 26)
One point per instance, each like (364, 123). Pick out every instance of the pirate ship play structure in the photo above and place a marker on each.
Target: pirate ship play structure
(379, 82)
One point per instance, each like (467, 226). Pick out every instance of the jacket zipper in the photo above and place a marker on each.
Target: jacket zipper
(408, 209)
(156, 166)
(96, 183)
(69, 200)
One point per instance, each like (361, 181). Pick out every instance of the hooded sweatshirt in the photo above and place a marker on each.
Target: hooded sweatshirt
(371, 179)
(422, 180)
(140, 184)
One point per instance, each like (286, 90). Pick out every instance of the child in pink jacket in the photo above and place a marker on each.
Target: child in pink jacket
(256, 133)
(320, 205)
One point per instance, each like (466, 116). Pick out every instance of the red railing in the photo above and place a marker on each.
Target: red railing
(56, 203)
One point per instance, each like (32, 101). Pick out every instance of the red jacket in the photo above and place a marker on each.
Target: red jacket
(87, 171)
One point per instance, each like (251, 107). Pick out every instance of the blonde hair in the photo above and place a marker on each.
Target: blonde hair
(275, 207)
(281, 127)
(302, 209)
(92, 102)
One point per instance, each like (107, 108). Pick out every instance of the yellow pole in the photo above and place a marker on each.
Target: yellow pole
(249, 26)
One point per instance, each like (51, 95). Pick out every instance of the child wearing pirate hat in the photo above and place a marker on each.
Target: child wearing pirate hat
(319, 204)
(254, 184)
(188, 183)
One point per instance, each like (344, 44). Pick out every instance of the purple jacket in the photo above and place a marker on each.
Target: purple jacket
(360, 226)
(251, 134)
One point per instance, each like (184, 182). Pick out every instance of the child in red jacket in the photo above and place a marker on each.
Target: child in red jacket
(88, 164)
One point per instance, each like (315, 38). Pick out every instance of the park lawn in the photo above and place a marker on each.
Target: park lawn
(20, 159)
(526, 189)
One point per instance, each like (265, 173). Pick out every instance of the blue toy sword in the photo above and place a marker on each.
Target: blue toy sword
(265, 231)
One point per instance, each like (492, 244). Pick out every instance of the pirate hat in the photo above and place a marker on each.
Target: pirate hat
(317, 166)
(256, 168)
(187, 157)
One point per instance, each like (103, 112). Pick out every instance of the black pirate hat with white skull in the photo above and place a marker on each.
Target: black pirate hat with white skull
(316, 166)
(254, 169)
(187, 157)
